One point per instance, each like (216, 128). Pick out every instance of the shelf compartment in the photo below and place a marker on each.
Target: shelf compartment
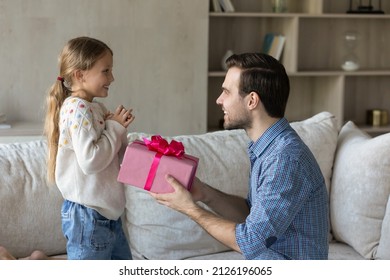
(294, 6)
(248, 36)
(337, 6)
(312, 95)
(365, 93)
(302, 6)
(321, 43)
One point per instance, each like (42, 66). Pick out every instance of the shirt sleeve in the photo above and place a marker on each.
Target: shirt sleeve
(278, 197)
(95, 149)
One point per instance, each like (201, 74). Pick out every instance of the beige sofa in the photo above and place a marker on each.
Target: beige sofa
(356, 168)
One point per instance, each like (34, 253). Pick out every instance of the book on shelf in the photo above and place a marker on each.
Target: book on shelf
(227, 6)
(216, 6)
(267, 42)
(277, 46)
(273, 44)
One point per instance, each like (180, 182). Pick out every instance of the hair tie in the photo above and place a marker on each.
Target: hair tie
(60, 79)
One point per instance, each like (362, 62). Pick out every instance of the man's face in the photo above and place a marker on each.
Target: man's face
(236, 114)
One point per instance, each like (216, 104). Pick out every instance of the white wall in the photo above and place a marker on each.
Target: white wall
(160, 57)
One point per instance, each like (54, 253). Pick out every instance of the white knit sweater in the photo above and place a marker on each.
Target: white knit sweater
(88, 157)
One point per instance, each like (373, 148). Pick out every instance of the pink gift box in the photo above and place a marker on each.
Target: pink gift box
(146, 168)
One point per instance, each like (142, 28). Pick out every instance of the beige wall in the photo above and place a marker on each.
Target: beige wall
(160, 57)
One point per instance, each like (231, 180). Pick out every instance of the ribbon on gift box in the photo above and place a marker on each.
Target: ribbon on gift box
(162, 148)
(160, 145)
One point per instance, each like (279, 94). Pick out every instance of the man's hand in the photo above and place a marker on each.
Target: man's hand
(180, 199)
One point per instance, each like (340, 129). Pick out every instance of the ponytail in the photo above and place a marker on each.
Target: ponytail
(54, 100)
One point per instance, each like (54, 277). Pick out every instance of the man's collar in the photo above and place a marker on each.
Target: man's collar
(257, 147)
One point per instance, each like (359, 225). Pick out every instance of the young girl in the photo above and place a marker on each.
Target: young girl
(85, 142)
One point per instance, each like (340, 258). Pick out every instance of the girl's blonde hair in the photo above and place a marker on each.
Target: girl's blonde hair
(79, 53)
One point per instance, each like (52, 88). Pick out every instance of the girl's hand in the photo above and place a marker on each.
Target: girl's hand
(108, 115)
(122, 116)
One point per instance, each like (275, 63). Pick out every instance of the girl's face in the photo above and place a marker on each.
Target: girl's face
(96, 81)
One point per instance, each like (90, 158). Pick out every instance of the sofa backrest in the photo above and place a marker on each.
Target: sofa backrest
(30, 209)
(30, 217)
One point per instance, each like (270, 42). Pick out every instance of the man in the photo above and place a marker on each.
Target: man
(285, 215)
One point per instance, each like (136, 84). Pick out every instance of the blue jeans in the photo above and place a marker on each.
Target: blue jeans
(91, 236)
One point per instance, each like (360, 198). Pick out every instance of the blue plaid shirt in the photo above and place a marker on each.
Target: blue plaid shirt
(287, 198)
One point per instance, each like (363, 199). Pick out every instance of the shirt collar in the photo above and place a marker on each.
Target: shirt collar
(256, 148)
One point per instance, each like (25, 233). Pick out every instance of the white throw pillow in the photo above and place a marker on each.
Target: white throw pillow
(360, 192)
(383, 252)
(157, 232)
(320, 134)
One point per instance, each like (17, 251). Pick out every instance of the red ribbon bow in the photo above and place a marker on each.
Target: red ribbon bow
(161, 146)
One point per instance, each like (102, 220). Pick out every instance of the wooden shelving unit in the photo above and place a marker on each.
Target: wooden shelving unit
(312, 55)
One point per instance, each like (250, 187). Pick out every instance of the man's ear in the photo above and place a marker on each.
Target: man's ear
(253, 100)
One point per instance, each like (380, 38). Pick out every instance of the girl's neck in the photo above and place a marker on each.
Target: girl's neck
(82, 94)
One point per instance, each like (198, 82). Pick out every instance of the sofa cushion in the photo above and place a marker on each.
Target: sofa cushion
(157, 232)
(360, 192)
(320, 134)
(342, 251)
(30, 216)
(383, 252)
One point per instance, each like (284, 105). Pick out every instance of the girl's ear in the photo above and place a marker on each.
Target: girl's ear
(78, 75)
(253, 100)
